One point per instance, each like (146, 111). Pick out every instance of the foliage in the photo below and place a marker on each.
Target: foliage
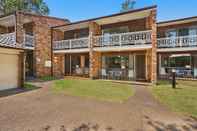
(183, 99)
(33, 6)
(128, 5)
(47, 78)
(100, 90)
(28, 86)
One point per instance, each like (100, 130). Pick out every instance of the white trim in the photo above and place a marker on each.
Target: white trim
(83, 50)
(124, 48)
(178, 49)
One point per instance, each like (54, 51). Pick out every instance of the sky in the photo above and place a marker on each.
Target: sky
(76, 10)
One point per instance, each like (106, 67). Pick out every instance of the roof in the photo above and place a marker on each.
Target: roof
(50, 17)
(178, 21)
(117, 14)
(28, 13)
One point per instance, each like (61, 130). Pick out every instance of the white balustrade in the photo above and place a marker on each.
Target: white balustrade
(29, 41)
(123, 39)
(183, 41)
(8, 40)
(72, 44)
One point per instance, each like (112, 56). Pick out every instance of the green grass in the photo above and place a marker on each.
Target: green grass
(29, 86)
(181, 100)
(47, 78)
(99, 90)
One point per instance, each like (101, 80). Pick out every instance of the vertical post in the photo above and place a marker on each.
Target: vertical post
(120, 40)
(70, 65)
(70, 46)
(173, 78)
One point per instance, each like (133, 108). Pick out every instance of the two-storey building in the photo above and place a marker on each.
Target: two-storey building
(120, 47)
(25, 47)
(177, 48)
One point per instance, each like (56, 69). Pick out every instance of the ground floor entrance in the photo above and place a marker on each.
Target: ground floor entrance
(77, 64)
(29, 65)
(123, 66)
(185, 65)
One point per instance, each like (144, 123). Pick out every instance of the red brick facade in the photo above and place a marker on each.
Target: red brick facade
(42, 36)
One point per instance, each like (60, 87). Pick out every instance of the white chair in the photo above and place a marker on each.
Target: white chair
(103, 73)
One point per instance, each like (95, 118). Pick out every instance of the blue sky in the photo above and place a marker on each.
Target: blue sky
(76, 10)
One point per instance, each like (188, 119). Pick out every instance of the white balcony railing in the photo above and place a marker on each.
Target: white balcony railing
(183, 41)
(8, 40)
(123, 39)
(72, 44)
(29, 41)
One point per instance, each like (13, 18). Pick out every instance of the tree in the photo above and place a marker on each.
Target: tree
(128, 5)
(33, 6)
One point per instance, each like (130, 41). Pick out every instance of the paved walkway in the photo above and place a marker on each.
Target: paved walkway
(42, 109)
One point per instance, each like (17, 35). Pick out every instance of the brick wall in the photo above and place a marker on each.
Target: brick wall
(152, 53)
(58, 59)
(42, 35)
(134, 25)
(95, 57)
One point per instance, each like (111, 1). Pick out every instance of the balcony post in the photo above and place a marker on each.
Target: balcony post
(19, 29)
(151, 24)
(95, 57)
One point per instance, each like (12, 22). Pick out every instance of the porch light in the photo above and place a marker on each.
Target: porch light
(55, 59)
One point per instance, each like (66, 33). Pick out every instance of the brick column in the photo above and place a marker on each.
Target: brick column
(58, 59)
(154, 46)
(58, 65)
(95, 57)
(21, 69)
(20, 32)
(42, 51)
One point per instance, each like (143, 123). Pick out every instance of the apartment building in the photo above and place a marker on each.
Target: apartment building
(25, 47)
(177, 48)
(120, 47)
(124, 46)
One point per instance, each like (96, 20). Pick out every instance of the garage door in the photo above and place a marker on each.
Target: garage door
(8, 71)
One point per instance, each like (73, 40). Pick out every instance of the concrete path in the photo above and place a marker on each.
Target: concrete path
(44, 110)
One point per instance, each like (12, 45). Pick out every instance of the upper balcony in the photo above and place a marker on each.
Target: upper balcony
(128, 40)
(177, 43)
(123, 41)
(71, 44)
(9, 40)
(126, 31)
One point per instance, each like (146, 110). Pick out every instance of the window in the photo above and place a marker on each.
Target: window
(120, 62)
(183, 32)
(193, 31)
(171, 33)
(116, 30)
(182, 61)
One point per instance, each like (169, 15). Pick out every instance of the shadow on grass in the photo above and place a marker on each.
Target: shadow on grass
(190, 124)
(15, 91)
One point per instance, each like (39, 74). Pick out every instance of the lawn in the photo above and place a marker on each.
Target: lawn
(182, 100)
(96, 89)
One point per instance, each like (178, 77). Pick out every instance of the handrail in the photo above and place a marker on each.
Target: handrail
(181, 41)
(8, 40)
(72, 43)
(123, 39)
